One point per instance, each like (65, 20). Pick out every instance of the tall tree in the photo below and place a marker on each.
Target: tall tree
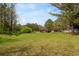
(69, 12)
(7, 17)
(49, 25)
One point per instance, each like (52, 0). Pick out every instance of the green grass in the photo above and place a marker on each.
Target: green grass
(40, 44)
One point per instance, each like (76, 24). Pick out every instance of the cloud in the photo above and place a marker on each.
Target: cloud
(53, 10)
(37, 16)
(31, 13)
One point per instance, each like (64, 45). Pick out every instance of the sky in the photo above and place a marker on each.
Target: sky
(35, 13)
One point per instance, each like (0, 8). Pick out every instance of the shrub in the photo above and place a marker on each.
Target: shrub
(26, 30)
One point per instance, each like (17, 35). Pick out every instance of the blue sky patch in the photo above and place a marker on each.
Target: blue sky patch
(35, 13)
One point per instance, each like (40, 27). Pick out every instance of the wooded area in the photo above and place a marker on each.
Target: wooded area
(68, 19)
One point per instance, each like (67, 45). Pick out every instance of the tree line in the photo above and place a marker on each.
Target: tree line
(68, 18)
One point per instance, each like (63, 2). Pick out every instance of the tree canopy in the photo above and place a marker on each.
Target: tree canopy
(49, 24)
(69, 14)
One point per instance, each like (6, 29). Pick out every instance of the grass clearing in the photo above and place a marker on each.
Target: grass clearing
(39, 44)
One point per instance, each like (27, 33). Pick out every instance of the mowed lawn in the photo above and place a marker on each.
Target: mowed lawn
(40, 44)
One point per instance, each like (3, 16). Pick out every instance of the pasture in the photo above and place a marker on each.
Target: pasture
(39, 44)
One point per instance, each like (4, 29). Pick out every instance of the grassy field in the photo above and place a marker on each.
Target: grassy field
(40, 44)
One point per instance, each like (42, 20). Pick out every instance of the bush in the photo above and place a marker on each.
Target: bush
(26, 30)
